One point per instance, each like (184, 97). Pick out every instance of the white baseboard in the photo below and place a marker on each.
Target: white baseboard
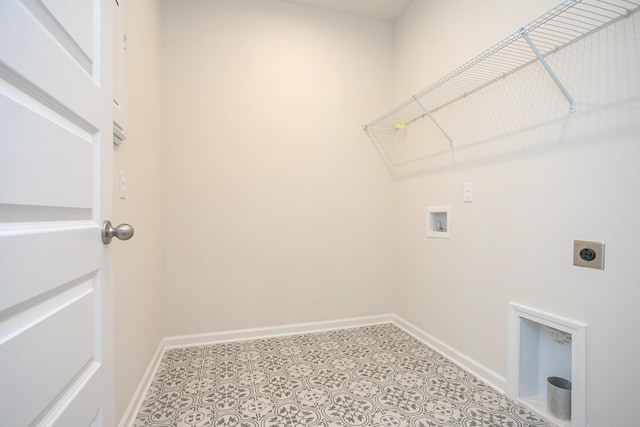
(138, 397)
(241, 335)
(274, 331)
(470, 365)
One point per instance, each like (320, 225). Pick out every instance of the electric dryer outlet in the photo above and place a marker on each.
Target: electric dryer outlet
(588, 254)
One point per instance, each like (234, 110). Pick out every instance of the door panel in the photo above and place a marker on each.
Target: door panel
(47, 67)
(75, 18)
(22, 282)
(51, 349)
(43, 148)
(56, 343)
(81, 406)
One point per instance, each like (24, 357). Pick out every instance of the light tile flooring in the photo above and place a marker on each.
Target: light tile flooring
(369, 376)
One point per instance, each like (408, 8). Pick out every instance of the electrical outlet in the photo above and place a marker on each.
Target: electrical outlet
(122, 185)
(588, 254)
(468, 192)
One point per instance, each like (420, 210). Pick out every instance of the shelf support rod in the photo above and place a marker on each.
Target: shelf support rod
(545, 64)
(435, 122)
(380, 149)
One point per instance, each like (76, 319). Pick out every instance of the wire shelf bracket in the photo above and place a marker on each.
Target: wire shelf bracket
(545, 64)
(435, 122)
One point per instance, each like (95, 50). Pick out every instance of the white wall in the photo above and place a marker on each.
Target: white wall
(277, 210)
(535, 192)
(137, 263)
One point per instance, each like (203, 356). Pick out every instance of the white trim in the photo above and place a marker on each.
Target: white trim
(241, 335)
(470, 365)
(135, 404)
(578, 333)
(480, 371)
(275, 331)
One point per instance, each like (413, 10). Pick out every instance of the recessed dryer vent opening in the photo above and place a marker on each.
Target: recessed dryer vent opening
(542, 345)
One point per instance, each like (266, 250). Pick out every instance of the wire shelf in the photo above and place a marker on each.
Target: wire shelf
(562, 26)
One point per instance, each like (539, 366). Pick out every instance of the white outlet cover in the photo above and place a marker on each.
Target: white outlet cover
(122, 185)
(468, 192)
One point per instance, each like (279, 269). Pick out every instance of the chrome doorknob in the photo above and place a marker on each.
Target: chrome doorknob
(121, 232)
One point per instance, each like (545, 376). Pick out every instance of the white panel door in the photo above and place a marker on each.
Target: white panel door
(56, 343)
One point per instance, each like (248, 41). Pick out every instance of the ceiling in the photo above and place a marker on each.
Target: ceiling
(384, 10)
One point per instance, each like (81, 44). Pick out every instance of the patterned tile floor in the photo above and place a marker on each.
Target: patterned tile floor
(369, 376)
